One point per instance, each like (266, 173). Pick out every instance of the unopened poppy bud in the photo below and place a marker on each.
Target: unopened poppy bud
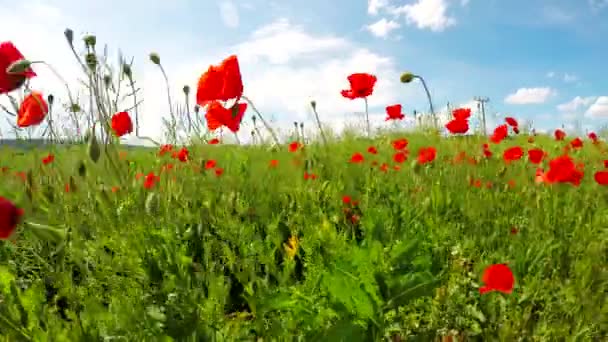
(406, 77)
(197, 108)
(50, 99)
(301, 125)
(91, 61)
(253, 118)
(252, 133)
(186, 89)
(313, 104)
(19, 67)
(90, 40)
(155, 58)
(69, 35)
(107, 80)
(126, 70)
(82, 169)
(295, 123)
(94, 150)
(75, 108)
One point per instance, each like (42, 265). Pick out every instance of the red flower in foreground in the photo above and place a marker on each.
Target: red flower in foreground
(400, 144)
(536, 155)
(10, 216)
(606, 164)
(593, 137)
(122, 124)
(9, 54)
(563, 170)
(512, 154)
(400, 157)
(294, 146)
(48, 159)
(218, 116)
(500, 133)
(576, 143)
(461, 113)
(426, 155)
(498, 277)
(601, 177)
(356, 158)
(372, 150)
(394, 113)
(457, 126)
(164, 149)
(511, 122)
(151, 180)
(361, 86)
(220, 82)
(214, 141)
(32, 110)
(183, 154)
(559, 134)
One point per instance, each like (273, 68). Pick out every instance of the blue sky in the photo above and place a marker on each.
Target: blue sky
(537, 60)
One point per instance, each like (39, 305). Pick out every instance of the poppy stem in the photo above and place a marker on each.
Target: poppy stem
(369, 133)
(173, 122)
(67, 87)
(236, 136)
(314, 110)
(428, 96)
(274, 136)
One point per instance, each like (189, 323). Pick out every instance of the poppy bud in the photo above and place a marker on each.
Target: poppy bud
(126, 70)
(91, 61)
(94, 150)
(155, 58)
(19, 67)
(89, 40)
(301, 125)
(197, 108)
(82, 169)
(69, 35)
(75, 108)
(50, 99)
(406, 77)
(186, 90)
(107, 80)
(313, 104)
(253, 118)
(152, 203)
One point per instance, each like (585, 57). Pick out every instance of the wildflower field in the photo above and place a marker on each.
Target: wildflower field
(377, 237)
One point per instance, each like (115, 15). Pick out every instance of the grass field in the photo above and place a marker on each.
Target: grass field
(231, 245)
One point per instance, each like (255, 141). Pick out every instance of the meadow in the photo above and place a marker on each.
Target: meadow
(391, 237)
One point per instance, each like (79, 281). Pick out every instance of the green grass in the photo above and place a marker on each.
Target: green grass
(203, 258)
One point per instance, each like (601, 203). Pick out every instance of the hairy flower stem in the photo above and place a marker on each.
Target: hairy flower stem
(369, 131)
(428, 96)
(266, 125)
(67, 87)
(173, 121)
(314, 110)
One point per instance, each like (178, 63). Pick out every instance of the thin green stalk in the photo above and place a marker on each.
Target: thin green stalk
(266, 125)
(428, 96)
(369, 131)
(314, 110)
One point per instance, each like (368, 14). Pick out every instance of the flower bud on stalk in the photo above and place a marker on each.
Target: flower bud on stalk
(69, 36)
(155, 58)
(91, 61)
(186, 90)
(90, 40)
(406, 77)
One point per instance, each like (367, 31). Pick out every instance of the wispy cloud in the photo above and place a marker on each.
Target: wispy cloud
(530, 96)
(382, 28)
(427, 14)
(229, 13)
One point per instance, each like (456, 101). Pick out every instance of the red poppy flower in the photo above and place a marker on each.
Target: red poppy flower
(486, 151)
(606, 164)
(512, 154)
(9, 54)
(384, 167)
(164, 149)
(220, 82)
(372, 150)
(536, 155)
(394, 113)
(183, 154)
(32, 110)
(593, 137)
(601, 177)
(426, 155)
(219, 171)
(151, 180)
(400, 144)
(511, 122)
(346, 199)
(10, 216)
(500, 133)
(400, 157)
(210, 164)
(294, 146)
(461, 114)
(214, 141)
(356, 158)
(457, 126)
(563, 170)
(498, 277)
(274, 163)
(559, 134)
(122, 124)
(310, 176)
(576, 143)
(361, 86)
(218, 116)
(48, 159)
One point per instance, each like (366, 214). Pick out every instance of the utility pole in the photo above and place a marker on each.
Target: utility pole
(481, 105)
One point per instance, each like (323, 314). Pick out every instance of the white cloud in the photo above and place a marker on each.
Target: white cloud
(576, 103)
(530, 96)
(373, 6)
(599, 109)
(382, 27)
(229, 13)
(427, 14)
(464, 2)
(569, 78)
